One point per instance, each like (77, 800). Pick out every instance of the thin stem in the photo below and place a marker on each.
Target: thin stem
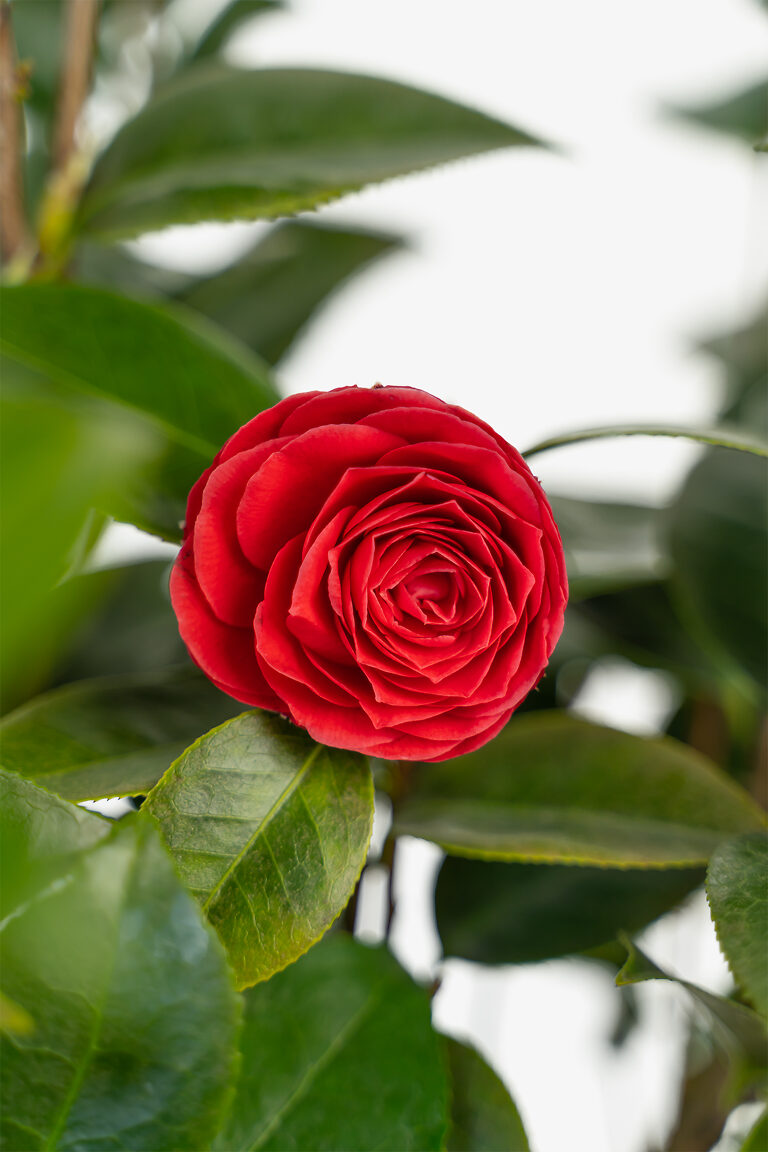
(13, 226)
(719, 437)
(80, 32)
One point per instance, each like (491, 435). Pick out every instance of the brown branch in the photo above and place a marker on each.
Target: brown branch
(80, 33)
(13, 227)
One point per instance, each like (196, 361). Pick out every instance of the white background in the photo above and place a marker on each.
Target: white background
(547, 291)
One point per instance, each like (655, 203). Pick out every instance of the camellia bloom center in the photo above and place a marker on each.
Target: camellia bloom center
(378, 565)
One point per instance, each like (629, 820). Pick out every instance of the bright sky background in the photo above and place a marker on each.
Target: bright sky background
(547, 292)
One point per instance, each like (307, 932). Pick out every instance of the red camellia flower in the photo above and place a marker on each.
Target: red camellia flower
(378, 565)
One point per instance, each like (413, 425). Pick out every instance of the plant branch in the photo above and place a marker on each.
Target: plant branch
(13, 227)
(80, 34)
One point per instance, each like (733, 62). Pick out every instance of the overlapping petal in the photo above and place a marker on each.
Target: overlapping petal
(382, 567)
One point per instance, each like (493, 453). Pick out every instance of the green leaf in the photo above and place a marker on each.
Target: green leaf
(267, 296)
(483, 1116)
(498, 913)
(554, 789)
(338, 1052)
(607, 545)
(57, 462)
(735, 438)
(219, 143)
(738, 1029)
(270, 831)
(133, 1007)
(718, 540)
(131, 628)
(14, 1019)
(228, 21)
(737, 890)
(188, 384)
(642, 624)
(744, 114)
(757, 1137)
(111, 737)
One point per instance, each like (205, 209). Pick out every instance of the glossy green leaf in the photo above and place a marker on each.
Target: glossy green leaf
(483, 1115)
(270, 831)
(338, 1052)
(718, 539)
(111, 737)
(743, 114)
(757, 1137)
(499, 913)
(607, 545)
(737, 890)
(739, 1030)
(229, 20)
(58, 460)
(735, 438)
(554, 789)
(133, 1007)
(219, 143)
(267, 296)
(188, 384)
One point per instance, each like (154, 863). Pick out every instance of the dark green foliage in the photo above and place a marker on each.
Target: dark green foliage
(338, 1052)
(133, 1014)
(518, 913)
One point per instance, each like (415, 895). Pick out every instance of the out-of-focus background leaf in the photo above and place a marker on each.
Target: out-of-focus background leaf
(552, 788)
(114, 736)
(300, 138)
(132, 1006)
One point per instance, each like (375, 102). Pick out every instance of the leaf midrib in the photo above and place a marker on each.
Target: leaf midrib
(261, 828)
(353, 1025)
(98, 1021)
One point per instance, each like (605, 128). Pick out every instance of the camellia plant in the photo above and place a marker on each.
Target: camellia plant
(369, 597)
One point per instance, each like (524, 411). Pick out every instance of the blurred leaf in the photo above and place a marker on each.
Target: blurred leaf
(483, 1115)
(14, 1019)
(338, 1052)
(228, 21)
(40, 836)
(115, 267)
(496, 913)
(718, 540)
(744, 353)
(219, 143)
(738, 1029)
(735, 438)
(135, 1014)
(554, 789)
(266, 297)
(111, 737)
(131, 628)
(757, 1137)
(743, 114)
(607, 545)
(185, 381)
(737, 890)
(270, 831)
(57, 461)
(642, 624)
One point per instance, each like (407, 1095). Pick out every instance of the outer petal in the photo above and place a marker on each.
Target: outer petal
(226, 655)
